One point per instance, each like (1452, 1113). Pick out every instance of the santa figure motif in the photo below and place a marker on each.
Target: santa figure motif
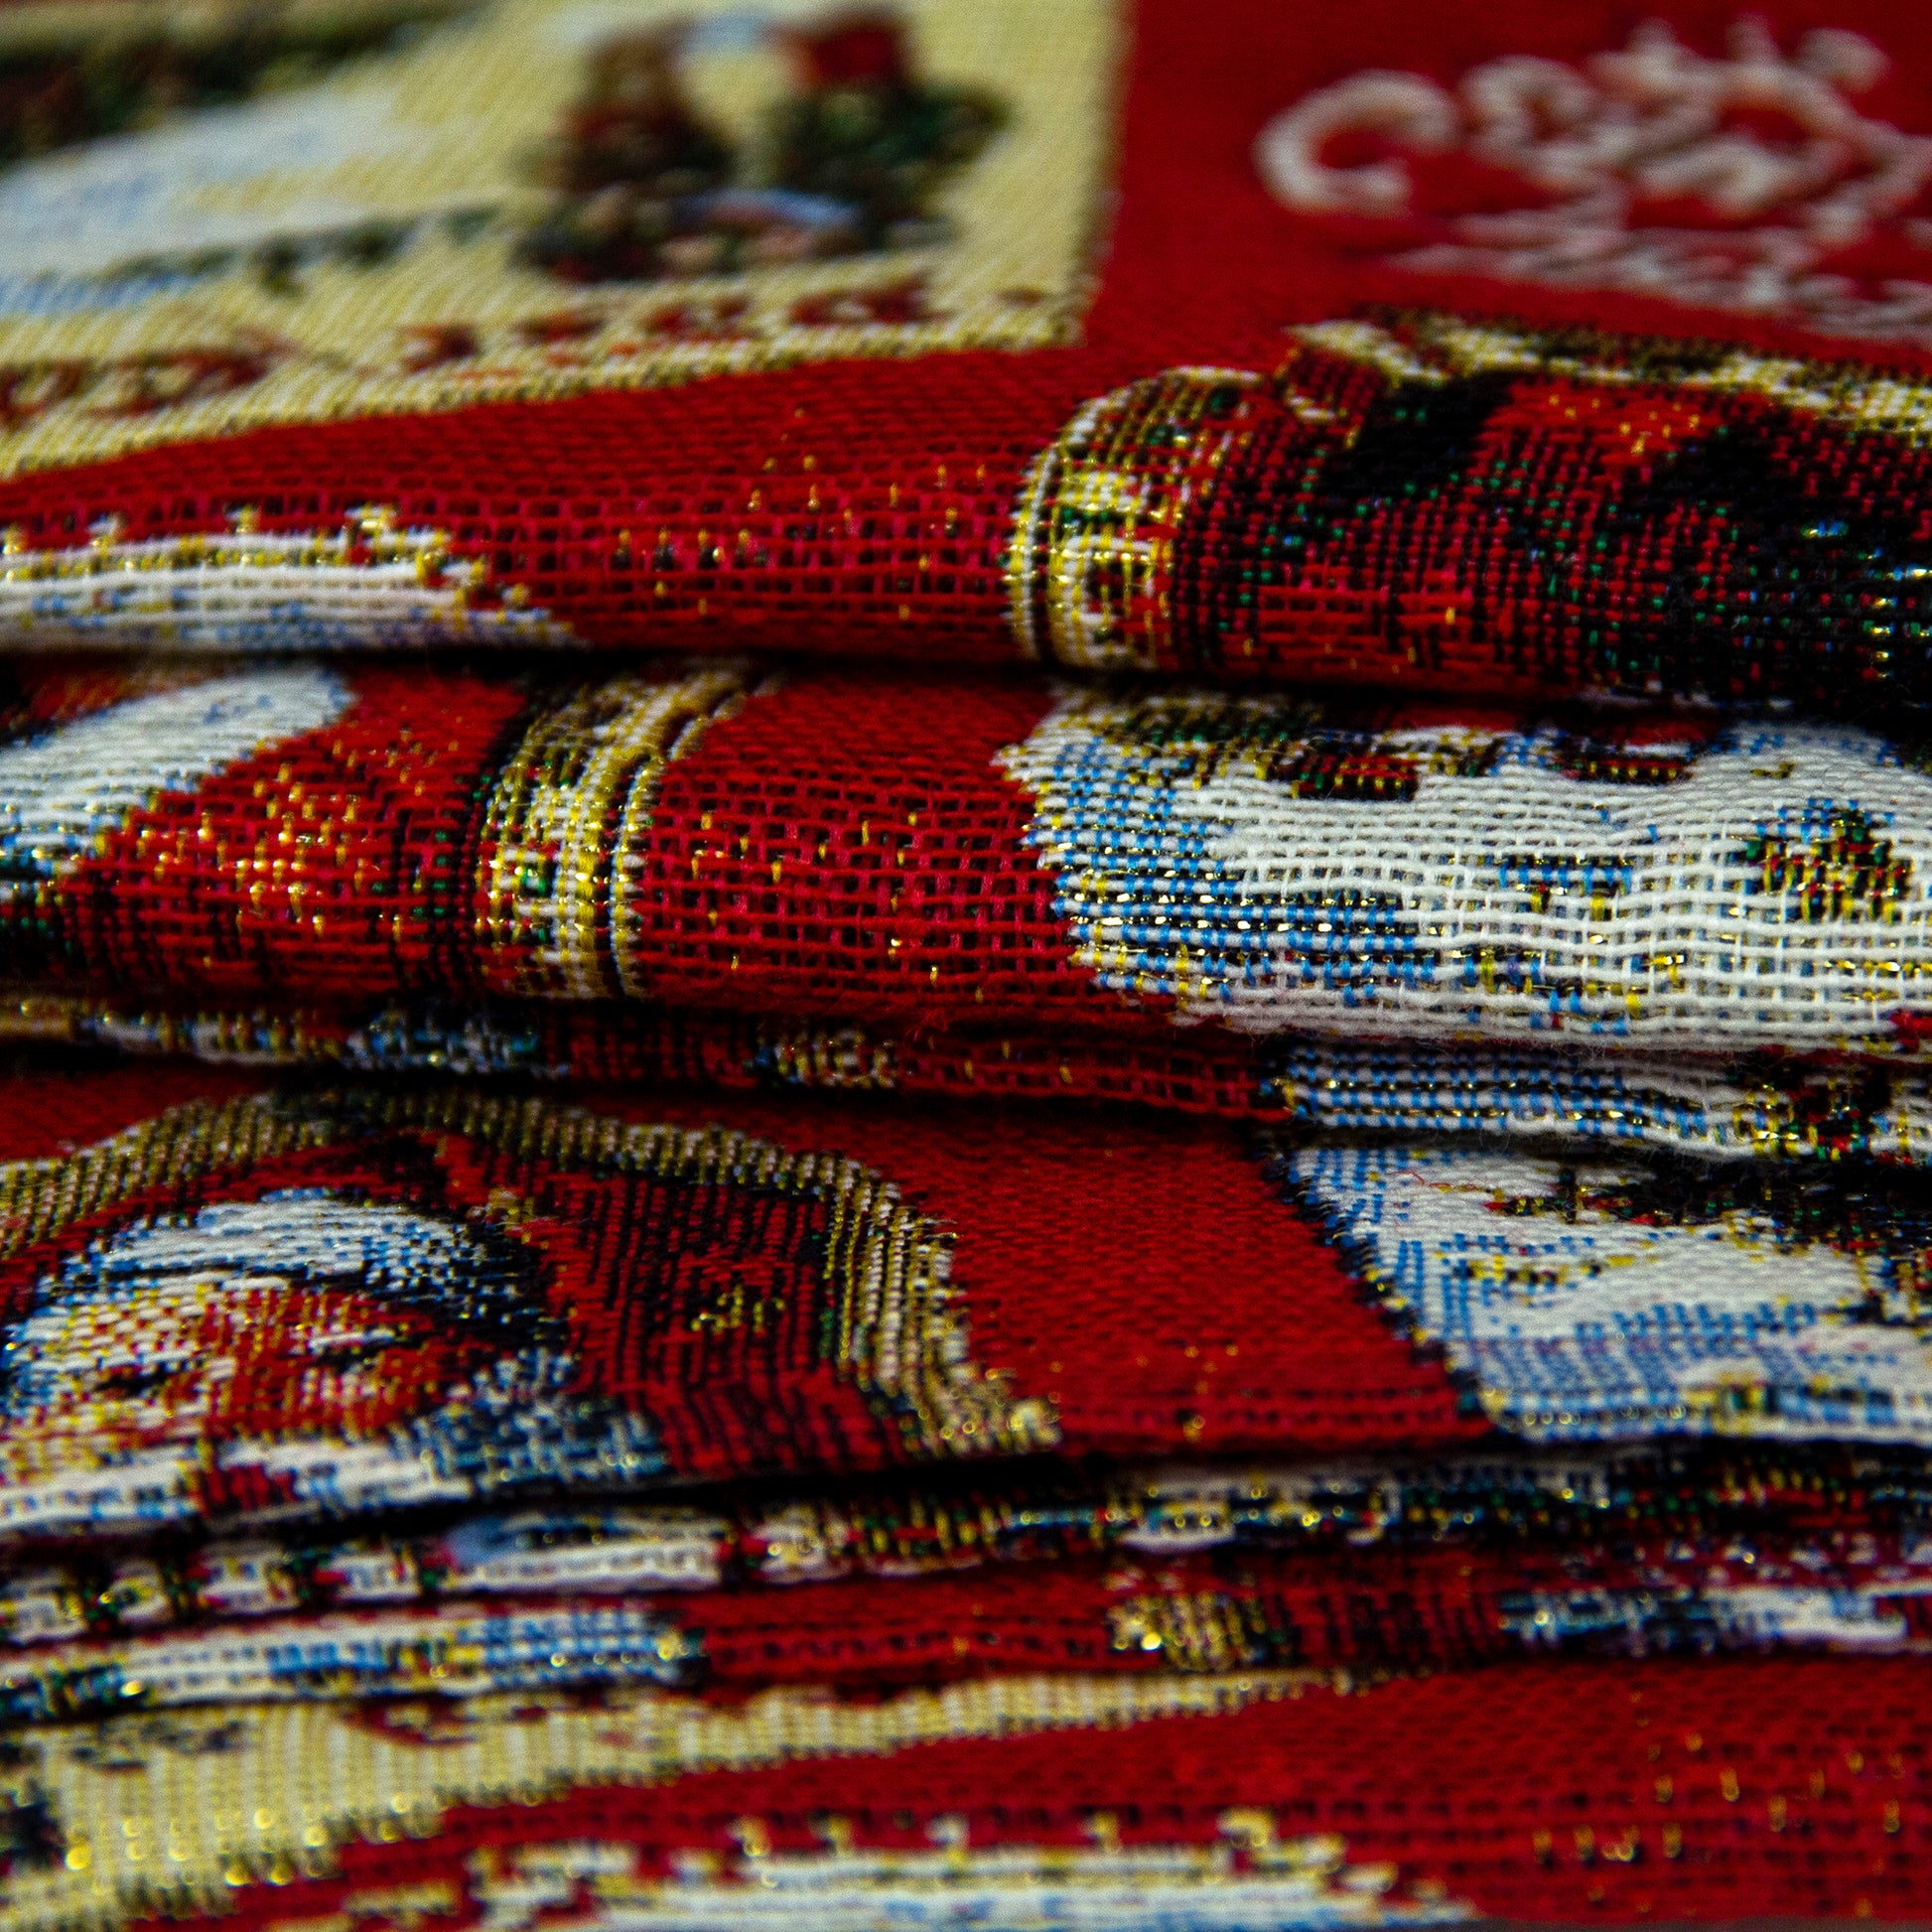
(384, 1353)
(344, 1301)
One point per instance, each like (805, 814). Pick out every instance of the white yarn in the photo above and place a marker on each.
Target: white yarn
(1521, 899)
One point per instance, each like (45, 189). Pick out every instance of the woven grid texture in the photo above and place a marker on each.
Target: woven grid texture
(1779, 1107)
(917, 853)
(585, 1343)
(1431, 502)
(1753, 1787)
(1388, 1565)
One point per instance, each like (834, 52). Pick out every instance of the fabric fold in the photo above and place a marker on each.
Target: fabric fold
(963, 966)
(926, 853)
(1218, 1800)
(1778, 1105)
(293, 1302)
(1381, 1564)
(1426, 503)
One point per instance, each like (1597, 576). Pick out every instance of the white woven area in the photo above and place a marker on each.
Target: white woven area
(1778, 1112)
(59, 792)
(355, 588)
(1575, 1322)
(1739, 902)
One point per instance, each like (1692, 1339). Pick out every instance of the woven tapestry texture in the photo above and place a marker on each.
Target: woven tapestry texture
(1753, 1787)
(915, 852)
(964, 965)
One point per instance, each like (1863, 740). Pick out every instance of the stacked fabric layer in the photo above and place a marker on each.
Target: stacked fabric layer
(352, 1436)
(963, 966)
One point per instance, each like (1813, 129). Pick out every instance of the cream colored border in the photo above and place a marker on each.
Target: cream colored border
(176, 1809)
(477, 99)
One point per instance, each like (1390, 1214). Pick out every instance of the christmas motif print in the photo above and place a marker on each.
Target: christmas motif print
(307, 1305)
(294, 213)
(1601, 1299)
(1006, 856)
(1637, 877)
(1747, 180)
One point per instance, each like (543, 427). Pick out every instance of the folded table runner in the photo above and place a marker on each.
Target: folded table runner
(1754, 1103)
(648, 1045)
(233, 1302)
(964, 336)
(931, 851)
(229, 1302)
(1435, 504)
(1384, 1615)
(1727, 1788)
(254, 1321)
(1380, 1564)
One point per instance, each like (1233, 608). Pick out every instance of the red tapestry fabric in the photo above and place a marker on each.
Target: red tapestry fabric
(916, 854)
(1785, 1106)
(1379, 1564)
(963, 965)
(799, 1298)
(236, 1302)
(1146, 456)
(1433, 503)
(1725, 1789)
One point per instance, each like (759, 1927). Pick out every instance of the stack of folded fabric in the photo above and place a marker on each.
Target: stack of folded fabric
(964, 965)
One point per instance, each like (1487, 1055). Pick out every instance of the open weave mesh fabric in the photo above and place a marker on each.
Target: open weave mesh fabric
(964, 965)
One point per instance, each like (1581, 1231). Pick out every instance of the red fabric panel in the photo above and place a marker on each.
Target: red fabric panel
(336, 861)
(1552, 1792)
(840, 841)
